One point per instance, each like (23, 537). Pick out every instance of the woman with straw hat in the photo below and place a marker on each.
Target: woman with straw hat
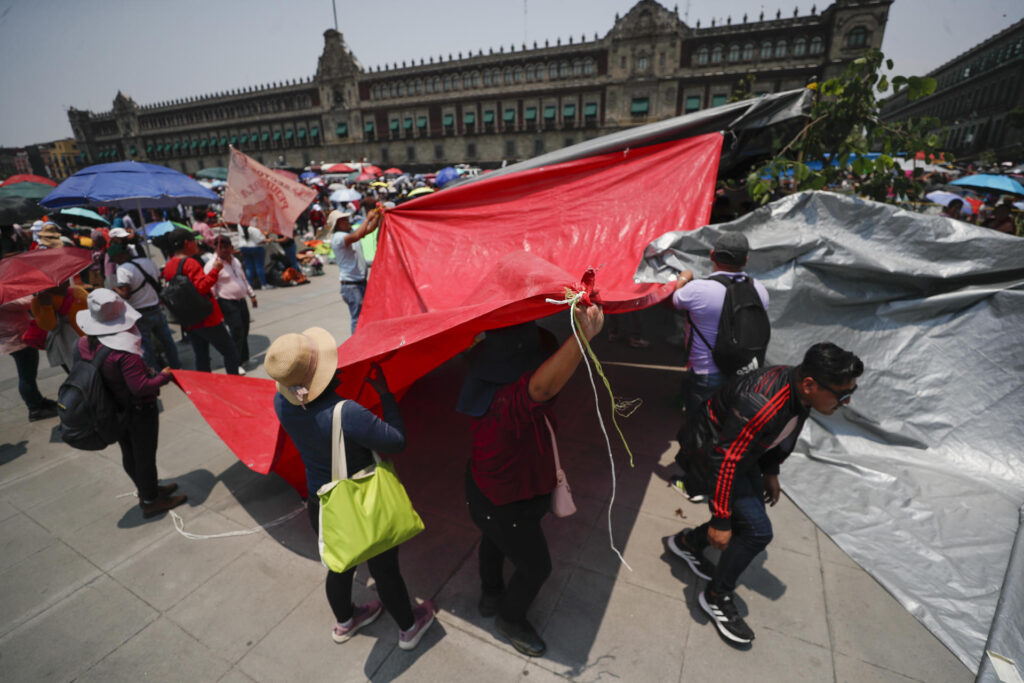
(305, 368)
(110, 322)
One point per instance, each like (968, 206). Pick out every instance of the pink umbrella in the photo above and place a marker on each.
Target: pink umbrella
(393, 171)
(365, 178)
(336, 168)
(375, 170)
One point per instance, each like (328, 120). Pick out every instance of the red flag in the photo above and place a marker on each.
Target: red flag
(487, 254)
(255, 195)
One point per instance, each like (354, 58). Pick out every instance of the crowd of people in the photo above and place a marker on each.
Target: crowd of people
(740, 421)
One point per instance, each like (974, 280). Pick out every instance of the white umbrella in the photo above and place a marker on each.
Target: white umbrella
(944, 198)
(345, 195)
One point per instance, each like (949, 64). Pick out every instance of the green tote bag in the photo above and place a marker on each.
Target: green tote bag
(363, 515)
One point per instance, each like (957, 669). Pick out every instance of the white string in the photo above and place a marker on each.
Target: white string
(179, 524)
(571, 302)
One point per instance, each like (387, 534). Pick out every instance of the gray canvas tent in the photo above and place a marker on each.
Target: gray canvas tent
(921, 478)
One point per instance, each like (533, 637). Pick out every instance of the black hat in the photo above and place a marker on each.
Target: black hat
(502, 357)
(731, 248)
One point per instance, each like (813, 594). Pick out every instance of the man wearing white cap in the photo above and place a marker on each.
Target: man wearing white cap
(137, 282)
(348, 254)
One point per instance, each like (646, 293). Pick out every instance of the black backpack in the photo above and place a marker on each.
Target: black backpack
(743, 329)
(183, 299)
(146, 279)
(90, 417)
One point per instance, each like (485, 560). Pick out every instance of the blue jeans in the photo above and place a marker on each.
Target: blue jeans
(26, 362)
(253, 259)
(697, 389)
(751, 532)
(353, 296)
(202, 337)
(289, 252)
(153, 321)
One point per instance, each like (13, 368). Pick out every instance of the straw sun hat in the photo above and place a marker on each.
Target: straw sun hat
(302, 364)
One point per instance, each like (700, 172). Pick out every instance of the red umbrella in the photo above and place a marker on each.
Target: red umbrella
(28, 178)
(375, 170)
(33, 271)
(287, 174)
(365, 177)
(393, 171)
(336, 168)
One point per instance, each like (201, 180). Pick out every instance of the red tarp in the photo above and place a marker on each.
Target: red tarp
(483, 255)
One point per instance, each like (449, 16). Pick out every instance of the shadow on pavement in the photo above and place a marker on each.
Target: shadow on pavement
(12, 451)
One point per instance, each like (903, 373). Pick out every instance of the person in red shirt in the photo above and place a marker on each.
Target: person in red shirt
(513, 380)
(212, 329)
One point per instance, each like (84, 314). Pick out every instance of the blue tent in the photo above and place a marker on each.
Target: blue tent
(445, 176)
(128, 185)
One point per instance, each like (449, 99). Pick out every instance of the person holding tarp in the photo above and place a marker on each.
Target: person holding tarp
(734, 447)
(515, 373)
(304, 367)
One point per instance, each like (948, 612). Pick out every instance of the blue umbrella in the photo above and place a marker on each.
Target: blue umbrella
(307, 175)
(158, 228)
(445, 176)
(128, 185)
(1000, 184)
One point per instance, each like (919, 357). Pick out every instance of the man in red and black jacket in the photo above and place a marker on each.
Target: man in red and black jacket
(212, 329)
(733, 452)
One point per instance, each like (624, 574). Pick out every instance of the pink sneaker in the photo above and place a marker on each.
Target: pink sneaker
(424, 615)
(363, 615)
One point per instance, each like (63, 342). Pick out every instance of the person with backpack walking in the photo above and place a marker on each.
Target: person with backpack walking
(188, 296)
(734, 447)
(727, 325)
(138, 283)
(111, 334)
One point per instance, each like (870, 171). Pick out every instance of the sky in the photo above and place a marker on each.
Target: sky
(56, 54)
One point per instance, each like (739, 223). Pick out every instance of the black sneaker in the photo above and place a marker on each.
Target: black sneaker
(522, 636)
(724, 616)
(44, 413)
(488, 604)
(699, 564)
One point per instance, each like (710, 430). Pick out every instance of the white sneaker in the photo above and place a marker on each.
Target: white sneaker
(241, 370)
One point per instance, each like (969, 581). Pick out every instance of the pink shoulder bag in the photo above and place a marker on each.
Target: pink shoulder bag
(562, 504)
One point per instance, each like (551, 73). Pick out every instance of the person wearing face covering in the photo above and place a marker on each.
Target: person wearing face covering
(110, 322)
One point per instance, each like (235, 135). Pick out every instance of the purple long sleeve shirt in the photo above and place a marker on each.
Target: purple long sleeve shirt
(126, 375)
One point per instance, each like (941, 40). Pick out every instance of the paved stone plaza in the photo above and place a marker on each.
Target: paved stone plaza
(93, 592)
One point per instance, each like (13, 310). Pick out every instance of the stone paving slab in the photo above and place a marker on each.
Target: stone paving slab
(91, 591)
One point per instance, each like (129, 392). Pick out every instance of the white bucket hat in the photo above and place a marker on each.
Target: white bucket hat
(107, 313)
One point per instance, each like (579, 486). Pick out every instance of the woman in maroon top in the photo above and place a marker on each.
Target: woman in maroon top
(511, 384)
(110, 322)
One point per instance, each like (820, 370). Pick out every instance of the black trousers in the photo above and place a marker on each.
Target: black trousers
(385, 572)
(236, 317)
(513, 532)
(138, 448)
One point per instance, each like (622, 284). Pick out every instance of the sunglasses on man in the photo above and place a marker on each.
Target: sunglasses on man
(841, 396)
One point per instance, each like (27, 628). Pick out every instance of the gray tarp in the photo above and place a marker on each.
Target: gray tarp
(920, 479)
(748, 125)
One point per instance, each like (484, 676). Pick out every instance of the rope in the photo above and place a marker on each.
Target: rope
(571, 299)
(179, 524)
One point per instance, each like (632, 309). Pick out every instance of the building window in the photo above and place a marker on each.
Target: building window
(518, 74)
(858, 37)
(780, 49)
(407, 125)
(384, 155)
(540, 72)
(531, 114)
(439, 151)
(510, 148)
(799, 47)
(569, 113)
(549, 113)
(467, 81)
(639, 107)
(470, 150)
(447, 83)
(702, 56)
(430, 86)
(476, 79)
(449, 122)
(437, 84)
(394, 90)
(641, 64)
(577, 69)
(766, 49)
(716, 54)
(748, 52)
(816, 45)
(421, 123)
(692, 103)
(563, 70)
(401, 89)
(568, 142)
(718, 100)
(509, 117)
(487, 78)
(661, 60)
(410, 153)
(734, 53)
(588, 67)
(538, 146)
(622, 62)
(590, 112)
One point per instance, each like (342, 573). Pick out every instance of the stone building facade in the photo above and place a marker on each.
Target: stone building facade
(974, 97)
(485, 108)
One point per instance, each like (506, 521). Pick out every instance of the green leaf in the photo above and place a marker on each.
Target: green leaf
(888, 64)
(883, 84)
(801, 172)
(816, 183)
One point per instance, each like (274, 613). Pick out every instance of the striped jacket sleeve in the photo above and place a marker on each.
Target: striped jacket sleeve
(739, 447)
